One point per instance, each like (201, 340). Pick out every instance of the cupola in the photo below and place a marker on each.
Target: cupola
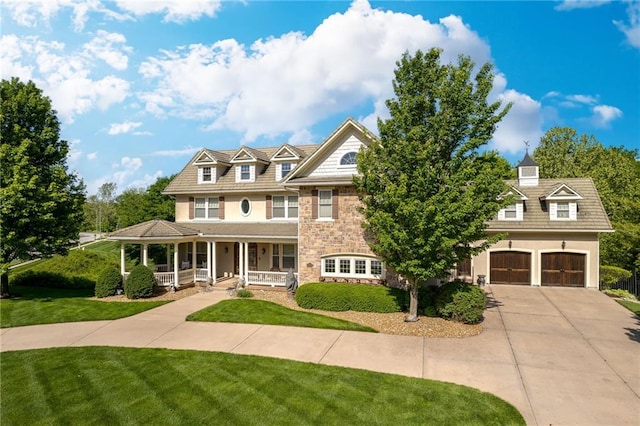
(528, 172)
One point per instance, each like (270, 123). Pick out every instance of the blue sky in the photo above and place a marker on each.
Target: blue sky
(140, 86)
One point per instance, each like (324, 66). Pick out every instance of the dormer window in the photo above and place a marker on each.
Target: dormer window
(206, 174)
(562, 211)
(285, 168)
(349, 159)
(511, 212)
(245, 172)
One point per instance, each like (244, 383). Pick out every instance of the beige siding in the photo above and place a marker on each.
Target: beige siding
(330, 165)
(539, 243)
(182, 209)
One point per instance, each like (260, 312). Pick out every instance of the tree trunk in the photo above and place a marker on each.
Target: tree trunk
(413, 303)
(4, 284)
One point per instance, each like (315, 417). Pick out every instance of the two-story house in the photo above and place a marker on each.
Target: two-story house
(256, 213)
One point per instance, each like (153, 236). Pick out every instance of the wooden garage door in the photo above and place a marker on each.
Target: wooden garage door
(563, 269)
(510, 267)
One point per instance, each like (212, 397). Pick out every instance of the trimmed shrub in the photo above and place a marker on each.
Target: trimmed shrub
(618, 292)
(609, 275)
(140, 283)
(109, 281)
(47, 279)
(345, 297)
(461, 302)
(82, 263)
(244, 294)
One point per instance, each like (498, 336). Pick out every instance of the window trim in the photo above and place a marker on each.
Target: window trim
(348, 156)
(242, 166)
(249, 209)
(330, 204)
(206, 208)
(286, 206)
(566, 210)
(282, 171)
(337, 261)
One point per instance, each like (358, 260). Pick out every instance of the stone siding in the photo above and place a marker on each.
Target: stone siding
(321, 237)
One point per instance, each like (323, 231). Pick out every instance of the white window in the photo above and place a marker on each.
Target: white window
(206, 174)
(562, 211)
(283, 256)
(245, 172)
(511, 212)
(324, 204)
(245, 207)
(284, 207)
(199, 211)
(285, 168)
(206, 208)
(349, 159)
(350, 266)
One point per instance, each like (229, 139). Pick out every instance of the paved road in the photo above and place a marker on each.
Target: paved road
(561, 356)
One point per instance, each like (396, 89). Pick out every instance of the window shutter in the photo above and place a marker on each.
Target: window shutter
(269, 215)
(553, 211)
(519, 212)
(221, 208)
(191, 207)
(573, 211)
(334, 204)
(314, 204)
(200, 174)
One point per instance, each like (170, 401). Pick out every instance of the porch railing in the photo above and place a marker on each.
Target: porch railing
(274, 279)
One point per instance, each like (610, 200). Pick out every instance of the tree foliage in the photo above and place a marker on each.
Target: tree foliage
(563, 153)
(139, 205)
(425, 188)
(40, 201)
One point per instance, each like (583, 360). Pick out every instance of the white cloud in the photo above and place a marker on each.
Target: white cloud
(632, 29)
(74, 152)
(174, 10)
(92, 156)
(522, 123)
(109, 47)
(580, 4)
(301, 137)
(288, 83)
(69, 79)
(583, 99)
(126, 127)
(177, 152)
(605, 114)
(146, 181)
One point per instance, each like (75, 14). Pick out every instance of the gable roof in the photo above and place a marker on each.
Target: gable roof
(514, 191)
(288, 152)
(154, 229)
(562, 191)
(245, 154)
(207, 156)
(591, 216)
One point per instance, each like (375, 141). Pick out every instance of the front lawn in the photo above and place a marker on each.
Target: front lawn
(37, 305)
(630, 305)
(262, 312)
(100, 385)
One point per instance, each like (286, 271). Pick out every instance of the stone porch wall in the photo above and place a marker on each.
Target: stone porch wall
(320, 237)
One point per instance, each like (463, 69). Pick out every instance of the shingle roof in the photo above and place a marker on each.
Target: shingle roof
(591, 214)
(154, 229)
(247, 230)
(186, 182)
(527, 161)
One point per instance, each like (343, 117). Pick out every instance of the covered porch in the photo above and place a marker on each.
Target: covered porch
(193, 256)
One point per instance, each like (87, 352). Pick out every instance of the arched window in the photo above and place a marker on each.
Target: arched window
(349, 159)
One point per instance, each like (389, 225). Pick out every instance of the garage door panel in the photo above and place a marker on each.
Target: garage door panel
(563, 269)
(510, 267)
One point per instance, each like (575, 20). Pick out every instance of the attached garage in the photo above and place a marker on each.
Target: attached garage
(510, 267)
(563, 269)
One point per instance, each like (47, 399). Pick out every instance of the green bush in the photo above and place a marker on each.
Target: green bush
(82, 263)
(345, 297)
(109, 281)
(609, 275)
(461, 302)
(618, 292)
(47, 279)
(140, 283)
(244, 294)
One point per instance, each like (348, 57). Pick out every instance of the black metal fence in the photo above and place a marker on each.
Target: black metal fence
(632, 284)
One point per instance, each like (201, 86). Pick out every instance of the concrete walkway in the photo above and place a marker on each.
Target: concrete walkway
(561, 356)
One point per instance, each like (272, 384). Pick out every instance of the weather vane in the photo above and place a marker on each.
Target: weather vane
(526, 145)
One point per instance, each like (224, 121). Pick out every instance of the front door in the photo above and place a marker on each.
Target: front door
(253, 256)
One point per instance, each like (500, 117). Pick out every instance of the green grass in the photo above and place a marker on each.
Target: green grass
(68, 386)
(630, 305)
(262, 312)
(37, 305)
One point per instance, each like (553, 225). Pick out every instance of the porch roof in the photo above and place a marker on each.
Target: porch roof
(154, 229)
(245, 230)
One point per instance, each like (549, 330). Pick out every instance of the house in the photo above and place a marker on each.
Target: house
(256, 213)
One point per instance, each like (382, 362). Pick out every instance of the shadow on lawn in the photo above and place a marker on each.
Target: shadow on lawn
(45, 294)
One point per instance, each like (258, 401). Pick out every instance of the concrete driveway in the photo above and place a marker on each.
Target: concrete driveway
(561, 356)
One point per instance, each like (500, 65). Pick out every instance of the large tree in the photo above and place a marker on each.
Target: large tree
(563, 153)
(40, 201)
(426, 189)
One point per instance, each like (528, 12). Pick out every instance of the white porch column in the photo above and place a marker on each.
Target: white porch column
(194, 263)
(168, 257)
(175, 265)
(208, 259)
(213, 267)
(246, 263)
(145, 254)
(122, 259)
(241, 259)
